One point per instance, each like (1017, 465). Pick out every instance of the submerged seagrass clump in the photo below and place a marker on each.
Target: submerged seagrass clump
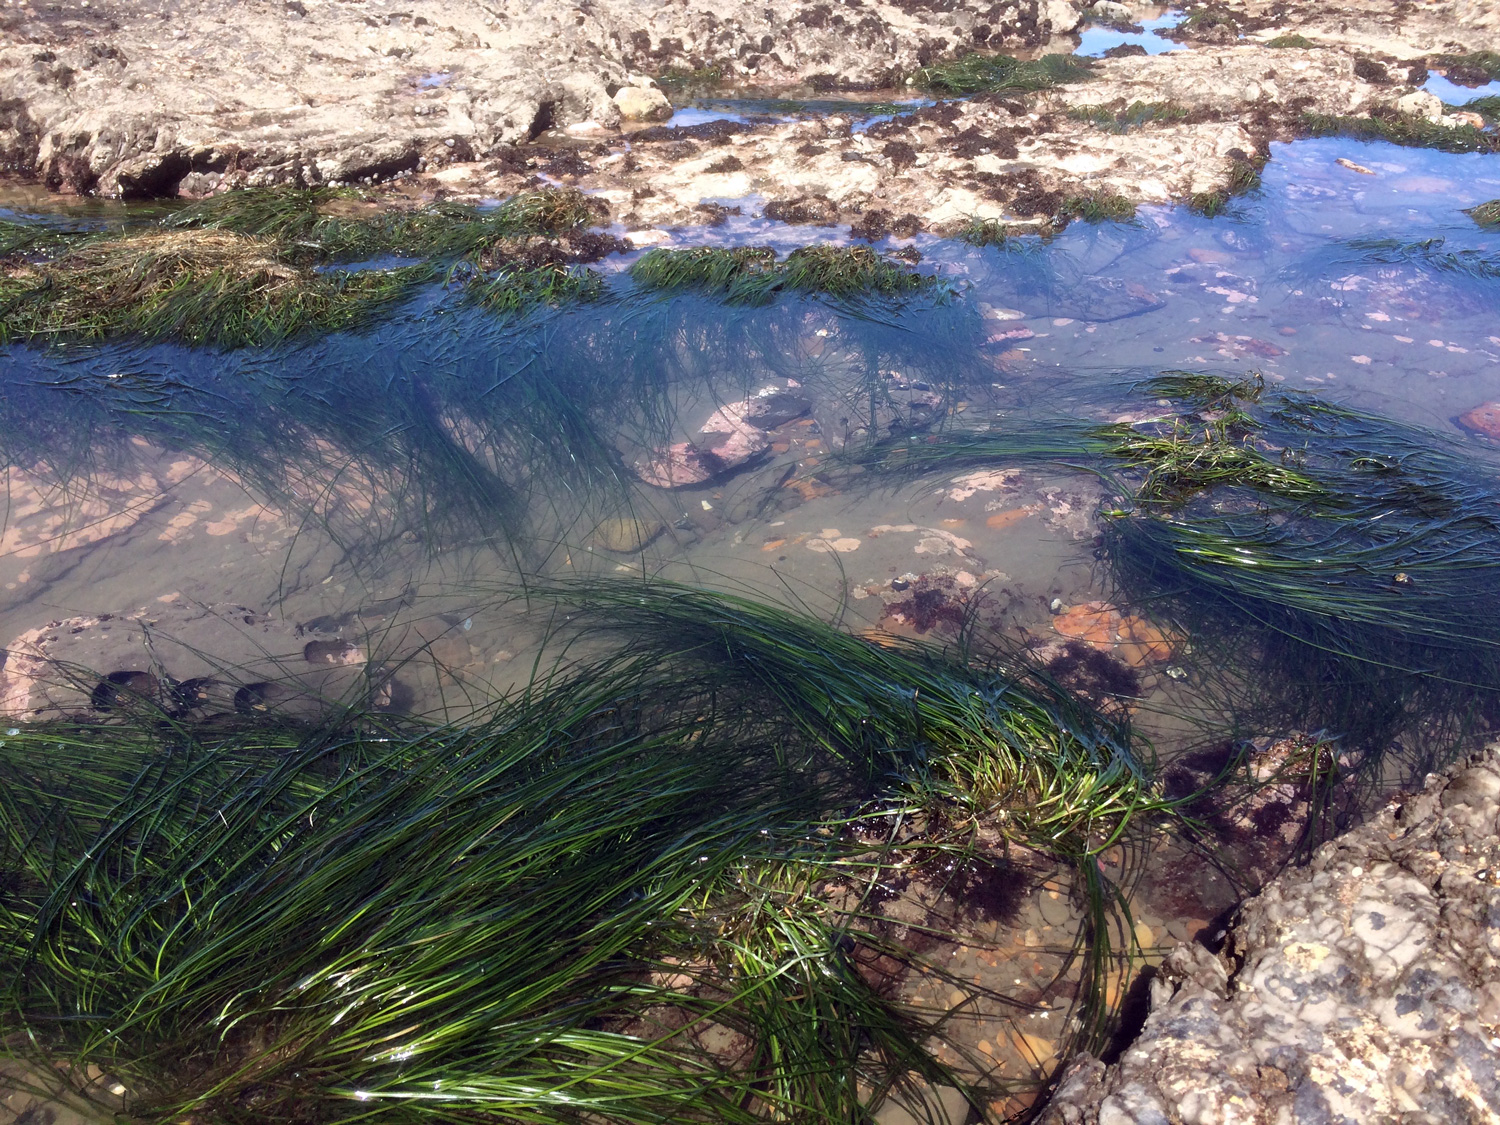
(1339, 569)
(602, 901)
(753, 275)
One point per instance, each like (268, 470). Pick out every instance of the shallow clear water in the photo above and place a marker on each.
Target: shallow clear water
(376, 499)
(700, 111)
(320, 475)
(1454, 94)
(1095, 39)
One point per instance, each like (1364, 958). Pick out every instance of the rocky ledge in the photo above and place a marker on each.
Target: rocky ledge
(476, 99)
(1363, 988)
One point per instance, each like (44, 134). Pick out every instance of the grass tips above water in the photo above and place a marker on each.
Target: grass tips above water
(753, 275)
(257, 266)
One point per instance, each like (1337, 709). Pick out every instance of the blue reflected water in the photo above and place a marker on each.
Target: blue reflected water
(1454, 94)
(1095, 39)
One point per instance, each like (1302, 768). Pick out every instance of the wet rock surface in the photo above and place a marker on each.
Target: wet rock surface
(158, 659)
(473, 101)
(1363, 987)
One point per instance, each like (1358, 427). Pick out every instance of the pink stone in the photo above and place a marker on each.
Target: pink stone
(674, 466)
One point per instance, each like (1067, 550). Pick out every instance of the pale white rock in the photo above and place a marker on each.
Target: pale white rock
(1420, 104)
(1111, 12)
(642, 103)
(1060, 14)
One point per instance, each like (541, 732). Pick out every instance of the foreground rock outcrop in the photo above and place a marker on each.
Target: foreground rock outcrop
(1362, 988)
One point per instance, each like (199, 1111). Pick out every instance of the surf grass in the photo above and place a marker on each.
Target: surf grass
(600, 901)
(542, 917)
(221, 290)
(1348, 558)
(752, 275)
(1413, 132)
(1429, 252)
(336, 224)
(1205, 18)
(1097, 207)
(1486, 214)
(34, 239)
(1010, 745)
(519, 289)
(989, 232)
(1485, 63)
(1487, 107)
(981, 73)
(1244, 176)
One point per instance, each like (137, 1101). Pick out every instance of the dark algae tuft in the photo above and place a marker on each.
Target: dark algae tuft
(981, 73)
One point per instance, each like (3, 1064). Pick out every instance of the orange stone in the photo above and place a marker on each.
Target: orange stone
(1484, 420)
(1134, 639)
(772, 544)
(1005, 519)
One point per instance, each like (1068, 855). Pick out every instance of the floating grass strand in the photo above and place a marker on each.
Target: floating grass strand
(979, 73)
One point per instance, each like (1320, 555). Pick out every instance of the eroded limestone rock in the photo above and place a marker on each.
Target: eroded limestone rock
(1364, 987)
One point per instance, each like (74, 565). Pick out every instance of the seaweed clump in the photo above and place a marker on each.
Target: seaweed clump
(753, 275)
(1244, 176)
(1414, 132)
(1122, 119)
(1486, 214)
(257, 266)
(1097, 207)
(980, 73)
(1474, 69)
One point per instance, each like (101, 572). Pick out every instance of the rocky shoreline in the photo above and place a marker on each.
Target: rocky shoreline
(471, 100)
(1363, 987)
